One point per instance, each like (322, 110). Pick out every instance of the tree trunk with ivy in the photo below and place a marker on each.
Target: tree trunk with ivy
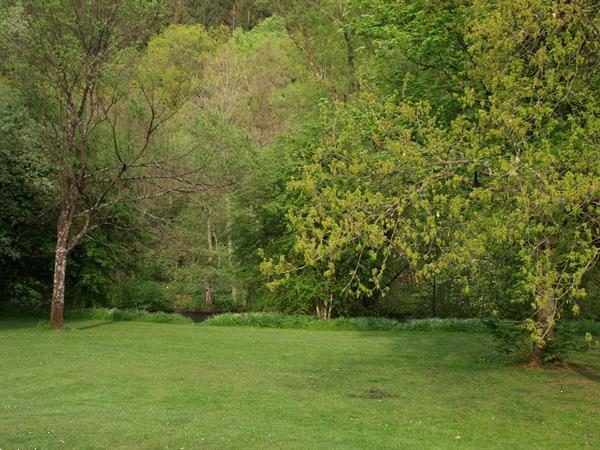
(544, 329)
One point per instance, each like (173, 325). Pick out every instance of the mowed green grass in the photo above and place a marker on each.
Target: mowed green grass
(150, 386)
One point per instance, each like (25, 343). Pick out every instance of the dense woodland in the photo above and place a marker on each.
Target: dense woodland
(328, 157)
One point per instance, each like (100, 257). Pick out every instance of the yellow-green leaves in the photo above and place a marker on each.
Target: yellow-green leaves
(175, 62)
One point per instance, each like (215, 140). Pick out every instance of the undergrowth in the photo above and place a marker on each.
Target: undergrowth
(123, 315)
(274, 320)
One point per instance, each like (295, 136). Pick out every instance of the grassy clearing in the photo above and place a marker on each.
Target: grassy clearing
(144, 385)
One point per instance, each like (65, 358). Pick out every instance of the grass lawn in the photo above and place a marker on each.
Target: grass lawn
(144, 385)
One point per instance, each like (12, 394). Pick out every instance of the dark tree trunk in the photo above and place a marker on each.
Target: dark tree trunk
(208, 297)
(545, 323)
(433, 298)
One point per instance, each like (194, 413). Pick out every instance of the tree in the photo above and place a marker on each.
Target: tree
(514, 177)
(101, 107)
(537, 140)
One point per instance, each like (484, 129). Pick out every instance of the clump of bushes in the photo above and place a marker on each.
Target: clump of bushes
(123, 315)
(262, 320)
(514, 338)
(144, 295)
(275, 320)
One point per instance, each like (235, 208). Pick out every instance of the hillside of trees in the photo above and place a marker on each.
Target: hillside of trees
(325, 157)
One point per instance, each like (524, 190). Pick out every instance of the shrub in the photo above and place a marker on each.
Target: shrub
(144, 295)
(122, 315)
(514, 338)
(260, 319)
(225, 303)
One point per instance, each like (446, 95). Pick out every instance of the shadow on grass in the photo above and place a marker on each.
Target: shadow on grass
(585, 371)
(9, 323)
(93, 325)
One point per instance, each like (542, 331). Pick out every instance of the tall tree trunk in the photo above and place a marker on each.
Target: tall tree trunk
(58, 292)
(433, 297)
(230, 255)
(216, 246)
(234, 10)
(208, 297)
(61, 253)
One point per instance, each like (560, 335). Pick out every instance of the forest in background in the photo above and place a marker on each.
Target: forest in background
(327, 157)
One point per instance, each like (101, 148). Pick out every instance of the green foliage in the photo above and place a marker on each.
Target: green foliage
(25, 232)
(102, 266)
(271, 320)
(356, 157)
(514, 338)
(176, 60)
(498, 196)
(24, 169)
(41, 45)
(416, 49)
(363, 170)
(144, 295)
(126, 315)
(263, 320)
(511, 337)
